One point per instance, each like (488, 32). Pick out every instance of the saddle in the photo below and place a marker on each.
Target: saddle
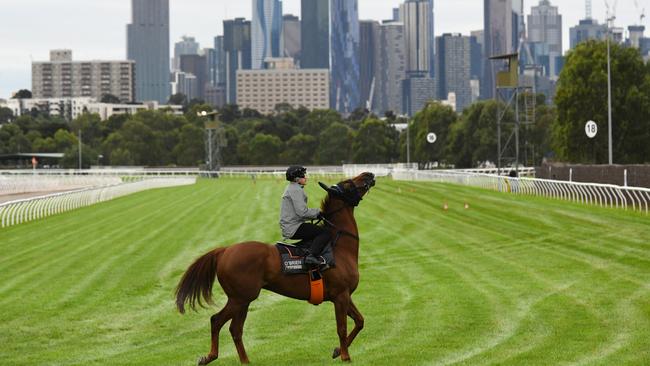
(292, 257)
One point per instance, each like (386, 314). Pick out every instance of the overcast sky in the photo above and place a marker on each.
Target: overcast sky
(96, 29)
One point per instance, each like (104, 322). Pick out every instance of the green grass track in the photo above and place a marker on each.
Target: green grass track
(509, 281)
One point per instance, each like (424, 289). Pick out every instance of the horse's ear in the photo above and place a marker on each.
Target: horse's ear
(324, 186)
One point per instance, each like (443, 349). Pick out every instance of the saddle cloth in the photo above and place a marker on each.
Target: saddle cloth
(292, 257)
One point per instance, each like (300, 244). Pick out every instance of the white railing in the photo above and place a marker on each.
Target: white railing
(17, 184)
(16, 212)
(604, 195)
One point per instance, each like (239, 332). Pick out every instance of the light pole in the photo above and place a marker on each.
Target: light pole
(609, 92)
(79, 148)
(408, 139)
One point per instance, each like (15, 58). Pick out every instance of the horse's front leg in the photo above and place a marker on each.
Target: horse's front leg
(353, 313)
(341, 307)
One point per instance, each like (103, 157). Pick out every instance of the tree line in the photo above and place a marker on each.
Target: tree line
(300, 136)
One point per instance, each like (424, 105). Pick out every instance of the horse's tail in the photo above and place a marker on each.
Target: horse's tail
(197, 281)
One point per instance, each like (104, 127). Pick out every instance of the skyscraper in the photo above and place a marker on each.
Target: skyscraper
(187, 46)
(148, 46)
(314, 31)
(368, 34)
(266, 29)
(237, 46)
(453, 56)
(498, 35)
(344, 55)
(390, 61)
(291, 37)
(587, 29)
(545, 35)
(416, 16)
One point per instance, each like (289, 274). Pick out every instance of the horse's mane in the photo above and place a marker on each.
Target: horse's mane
(325, 203)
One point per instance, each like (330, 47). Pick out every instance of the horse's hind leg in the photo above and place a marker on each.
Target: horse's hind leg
(353, 313)
(237, 331)
(216, 322)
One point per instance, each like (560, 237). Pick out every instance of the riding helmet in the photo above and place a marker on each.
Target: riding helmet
(295, 171)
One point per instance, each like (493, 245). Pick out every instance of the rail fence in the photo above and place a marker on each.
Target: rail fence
(19, 211)
(604, 195)
(17, 184)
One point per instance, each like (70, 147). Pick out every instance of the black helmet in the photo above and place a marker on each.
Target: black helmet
(295, 171)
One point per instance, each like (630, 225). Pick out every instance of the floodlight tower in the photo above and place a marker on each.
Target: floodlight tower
(214, 140)
(610, 20)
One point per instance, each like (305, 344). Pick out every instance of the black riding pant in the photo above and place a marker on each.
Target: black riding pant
(308, 231)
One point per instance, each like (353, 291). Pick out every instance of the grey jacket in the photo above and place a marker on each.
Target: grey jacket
(294, 210)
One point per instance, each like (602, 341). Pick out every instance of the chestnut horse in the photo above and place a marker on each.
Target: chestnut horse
(244, 269)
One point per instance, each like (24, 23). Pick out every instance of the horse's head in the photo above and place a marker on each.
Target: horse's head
(351, 191)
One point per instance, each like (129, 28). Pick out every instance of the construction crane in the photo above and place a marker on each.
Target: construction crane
(641, 13)
(371, 95)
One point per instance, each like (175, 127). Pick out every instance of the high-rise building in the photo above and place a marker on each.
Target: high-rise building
(453, 68)
(545, 29)
(63, 78)
(416, 93)
(476, 45)
(266, 31)
(416, 16)
(148, 46)
(281, 82)
(237, 46)
(344, 55)
(545, 26)
(220, 68)
(186, 84)
(368, 38)
(197, 66)
(635, 35)
(498, 40)
(315, 30)
(585, 30)
(390, 70)
(291, 37)
(187, 46)
(518, 23)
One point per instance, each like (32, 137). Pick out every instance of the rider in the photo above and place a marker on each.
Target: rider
(294, 212)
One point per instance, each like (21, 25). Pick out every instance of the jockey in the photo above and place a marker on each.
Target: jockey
(294, 212)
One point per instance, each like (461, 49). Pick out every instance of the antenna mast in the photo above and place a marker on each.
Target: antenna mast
(588, 9)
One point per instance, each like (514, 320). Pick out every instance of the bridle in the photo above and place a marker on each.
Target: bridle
(350, 196)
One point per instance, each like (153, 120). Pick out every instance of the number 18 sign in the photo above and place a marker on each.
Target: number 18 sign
(591, 128)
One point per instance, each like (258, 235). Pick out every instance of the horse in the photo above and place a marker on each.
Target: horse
(244, 269)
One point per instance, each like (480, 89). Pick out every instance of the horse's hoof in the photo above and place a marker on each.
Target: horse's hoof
(204, 360)
(336, 353)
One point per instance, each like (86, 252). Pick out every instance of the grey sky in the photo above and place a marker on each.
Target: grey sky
(96, 29)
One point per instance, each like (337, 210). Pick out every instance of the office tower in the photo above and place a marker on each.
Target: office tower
(396, 14)
(291, 37)
(281, 82)
(148, 46)
(453, 68)
(416, 17)
(498, 33)
(314, 31)
(585, 30)
(197, 66)
(368, 38)
(344, 55)
(237, 47)
(390, 61)
(187, 46)
(518, 23)
(266, 29)
(545, 36)
(63, 78)
(476, 45)
(220, 55)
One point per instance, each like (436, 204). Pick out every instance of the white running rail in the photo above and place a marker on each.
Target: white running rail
(19, 211)
(18, 184)
(604, 195)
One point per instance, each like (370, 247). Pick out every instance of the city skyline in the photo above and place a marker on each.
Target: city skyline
(104, 35)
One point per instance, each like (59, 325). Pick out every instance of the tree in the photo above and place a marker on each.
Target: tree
(265, 149)
(71, 157)
(375, 142)
(335, 144)
(436, 118)
(22, 94)
(6, 115)
(12, 140)
(110, 98)
(318, 120)
(582, 96)
(189, 151)
(301, 149)
(177, 99)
